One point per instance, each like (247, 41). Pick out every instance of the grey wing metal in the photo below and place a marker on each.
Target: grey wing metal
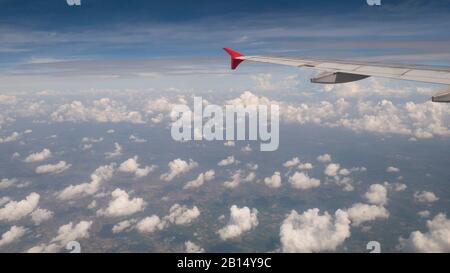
(341, 71)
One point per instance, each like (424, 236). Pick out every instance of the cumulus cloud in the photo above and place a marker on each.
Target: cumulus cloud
(66, 234)
(101, 175)
(200, 180)
(116, 153)
(5, 99)
(39, 156)
(392, 169)
(377, 194)
(301, 180)
(122, 205)
(423, 120)
(150, 224)
(241, 220)
(41, 215)
(325, 158)
(332, 169)
(4, 200)
(13, 234)
(345, 182)
(274, 181)
(227, 161)
(6, 183)
(247, 149)
(436, 239)
(136, 139)
(132, 166)
(398, 187)
(360, 213)
(123, 225)
(313, 232)
(291, 163)
(178, 167)
(182, 215)
(102, 110)
(305, 166)
(425, 197)
(229, 143)
(234, 181)
(191, 247)
(59, 167)
(424, 213)
(14, 136)
(16, 210)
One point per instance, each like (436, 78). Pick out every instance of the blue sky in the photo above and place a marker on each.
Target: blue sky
(42, 43)
(102, 30)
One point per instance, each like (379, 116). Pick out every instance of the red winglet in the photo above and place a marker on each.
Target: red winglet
(234, 57)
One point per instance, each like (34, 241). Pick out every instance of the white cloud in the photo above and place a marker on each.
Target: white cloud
(377, 194)
(92, 205)
(227, 161)
(91, 140)
(344, 172)
(41, 215)
(425, 197)
(122, 205)
(200, 180)
(101, 175)
(70, 232)
(392, 169)
(102, 110)
(302, 181)
(150, 224)
(247, 149)
(178, 167)
(325, 158)
(421, 121)
(250, 177)
(332, 169)
(345, 182)
(235, 180)
(424, 213)
(136, 139)
(305, 166)
(4, 200)
(116, 153)
(5, 99)
(241, 220)
(312, 232)
(398, 187)
(13, 234)
(436, 239)
(59, 167)
(14, 210)
(274, 181)
(191, 247)
(66, 234)
(132, 166)
(182, 215)
(360, 213)
(292, 163)
(123, 225)
(6, 183)
(39, 156)
(12, 137)
(424, 120)
(229, 143)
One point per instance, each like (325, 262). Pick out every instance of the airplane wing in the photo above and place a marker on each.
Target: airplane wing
(340, 71)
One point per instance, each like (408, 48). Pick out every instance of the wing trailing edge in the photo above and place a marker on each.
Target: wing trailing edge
(344, 71)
